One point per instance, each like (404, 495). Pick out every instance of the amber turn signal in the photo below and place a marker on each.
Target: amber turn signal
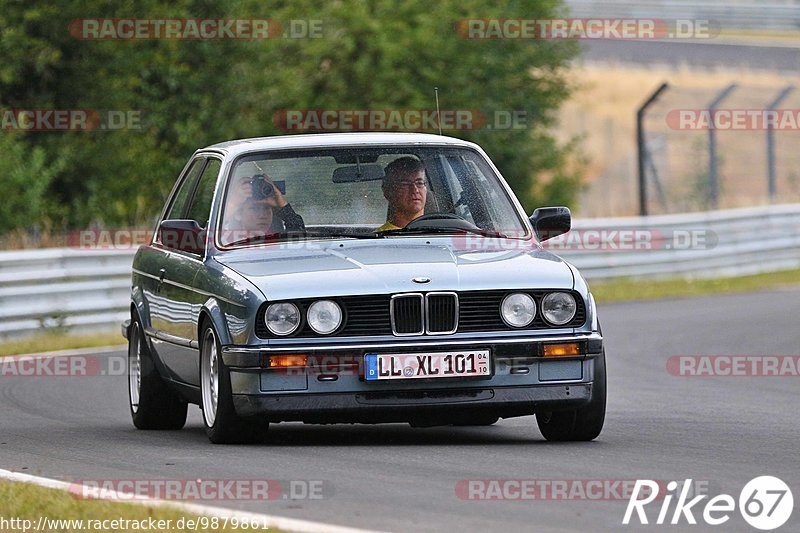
(562, 350)
(286, 361)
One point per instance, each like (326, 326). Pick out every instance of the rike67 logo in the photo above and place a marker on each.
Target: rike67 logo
(765, 503)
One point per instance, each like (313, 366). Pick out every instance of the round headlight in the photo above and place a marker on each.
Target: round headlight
(559, 308)
(518, 309)
(282, 318)
(324, 316)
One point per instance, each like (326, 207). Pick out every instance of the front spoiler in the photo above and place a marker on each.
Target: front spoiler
(410, 406)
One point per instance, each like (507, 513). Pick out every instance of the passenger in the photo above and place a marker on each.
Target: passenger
(404, 186)
(256, 204)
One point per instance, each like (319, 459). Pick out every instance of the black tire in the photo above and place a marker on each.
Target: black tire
(223, 425)
(581, 424)
(153, 404)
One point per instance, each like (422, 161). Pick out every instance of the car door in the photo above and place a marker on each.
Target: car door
(154, 259)
(182, 301)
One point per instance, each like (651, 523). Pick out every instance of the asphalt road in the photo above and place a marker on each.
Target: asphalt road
(723, 431)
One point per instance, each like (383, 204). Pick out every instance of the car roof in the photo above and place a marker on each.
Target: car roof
(330, 140)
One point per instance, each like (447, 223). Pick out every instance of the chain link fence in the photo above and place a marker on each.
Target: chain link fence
(697, 154)
(710, 148)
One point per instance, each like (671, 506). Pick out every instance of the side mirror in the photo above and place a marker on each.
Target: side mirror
(184, 235)
(549, 222)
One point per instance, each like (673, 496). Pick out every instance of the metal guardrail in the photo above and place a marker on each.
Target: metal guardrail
(783, 15)
(80, 289)
(63, 288)
(734, 242)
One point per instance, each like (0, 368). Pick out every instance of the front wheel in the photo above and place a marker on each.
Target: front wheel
(152, 403)
(223, 425)
(582, 424)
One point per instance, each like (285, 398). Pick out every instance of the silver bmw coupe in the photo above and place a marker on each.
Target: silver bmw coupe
(358, 278)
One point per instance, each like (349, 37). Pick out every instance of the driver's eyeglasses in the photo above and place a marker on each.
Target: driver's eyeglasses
(404, 184)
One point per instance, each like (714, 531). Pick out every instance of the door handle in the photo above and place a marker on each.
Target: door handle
(161, 274)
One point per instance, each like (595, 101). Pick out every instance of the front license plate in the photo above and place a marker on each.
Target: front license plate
(426, 365)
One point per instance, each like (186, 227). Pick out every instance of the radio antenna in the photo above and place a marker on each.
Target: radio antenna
(438, 118)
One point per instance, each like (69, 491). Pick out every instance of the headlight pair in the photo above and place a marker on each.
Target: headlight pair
(519, 309)
(323, 316)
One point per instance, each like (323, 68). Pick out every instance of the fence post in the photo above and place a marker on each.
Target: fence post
(641, 144)
(771, 178)
(713, 179)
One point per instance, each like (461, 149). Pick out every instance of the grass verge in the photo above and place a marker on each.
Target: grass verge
(25, 502)
(630, 290)
(48, 342)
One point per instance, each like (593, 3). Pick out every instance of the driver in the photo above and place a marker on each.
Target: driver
(405, 190)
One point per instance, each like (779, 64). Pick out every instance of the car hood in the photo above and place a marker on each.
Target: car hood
(340, 268)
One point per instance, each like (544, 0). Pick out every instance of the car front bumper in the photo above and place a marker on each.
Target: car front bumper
(521, 383)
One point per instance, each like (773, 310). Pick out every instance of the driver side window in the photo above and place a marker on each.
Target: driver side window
(180, 200)
(200, 209)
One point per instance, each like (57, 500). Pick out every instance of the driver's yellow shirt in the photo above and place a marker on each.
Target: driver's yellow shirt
(387, 226)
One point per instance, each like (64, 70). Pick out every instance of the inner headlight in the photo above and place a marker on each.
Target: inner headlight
(282, 318)
(559, 308)
(518, 309)
(324, 316)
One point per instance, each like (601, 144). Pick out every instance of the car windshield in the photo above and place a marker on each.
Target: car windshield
(364, 192)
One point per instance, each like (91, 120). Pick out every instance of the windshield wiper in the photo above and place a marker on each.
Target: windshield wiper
(341, 235)
(442, 230)
(299, 235)
(293, 236)
(258, 239)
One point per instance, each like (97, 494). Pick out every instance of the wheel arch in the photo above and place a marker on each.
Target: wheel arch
(212, 312)
(140, 307)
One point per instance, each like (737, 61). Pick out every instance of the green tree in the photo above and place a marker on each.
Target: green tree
(375, 54)
(27, 173)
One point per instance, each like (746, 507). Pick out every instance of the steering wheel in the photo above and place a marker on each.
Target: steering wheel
(434, 216)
